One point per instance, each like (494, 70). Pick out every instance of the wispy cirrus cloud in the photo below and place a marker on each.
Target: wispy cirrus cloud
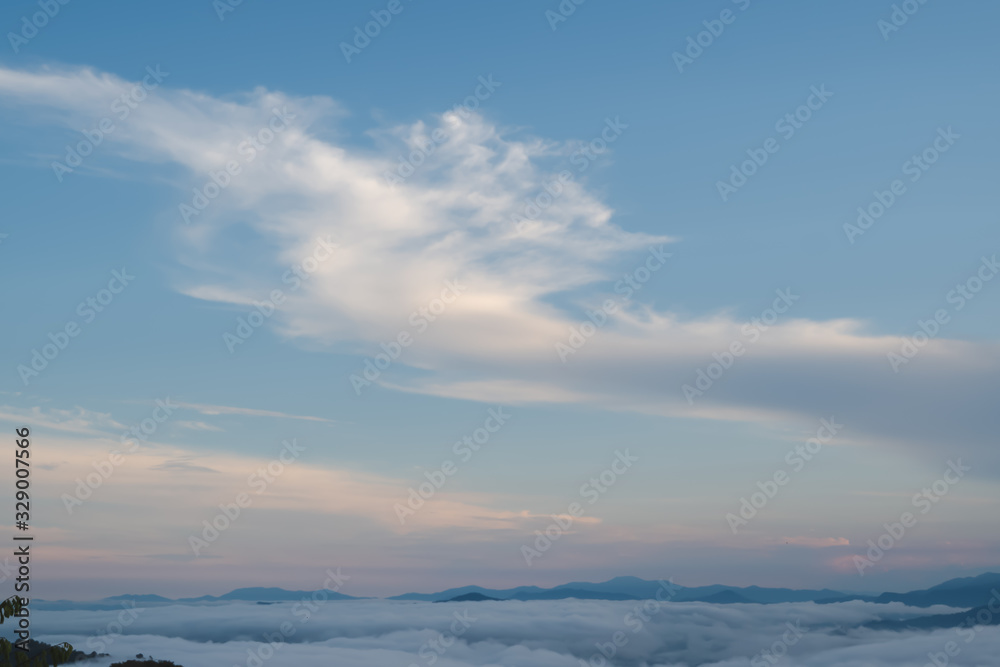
(77, 420)
(816, 542)
(197, 426)
(183, 464)
(216, 410)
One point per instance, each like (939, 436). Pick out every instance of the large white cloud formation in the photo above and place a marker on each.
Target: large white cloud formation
(540, 634)
(457, 217)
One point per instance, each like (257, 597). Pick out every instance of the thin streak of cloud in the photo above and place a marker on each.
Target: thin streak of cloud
(216, 410)
(78, 420)
(197, 426)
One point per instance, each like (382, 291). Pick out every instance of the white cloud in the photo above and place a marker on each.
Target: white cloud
(78, 420)
(815, 542)
(557, 633)
(197, 426)
(451, 220)
(215, 410)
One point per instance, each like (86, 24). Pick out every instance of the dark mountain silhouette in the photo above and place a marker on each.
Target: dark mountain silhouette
(566, 593)
(471, 597)
(454, 592)
(145, 662)
(964, 592)
(755, 594)
(268, 595)
(632, 588)
(726, 597)
(138, 598)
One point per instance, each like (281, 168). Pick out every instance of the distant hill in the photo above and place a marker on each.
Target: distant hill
(560, 593)
(470, 597)
(964, 592)
(455, 592)
(726, 597)
(633, 588)
(987, 579)
(137, 598)
(268, 595)
(755, 594)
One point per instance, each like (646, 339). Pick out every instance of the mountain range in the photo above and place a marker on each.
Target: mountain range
(633, 588)
(966, 592)
(963, 592)
(254, 594)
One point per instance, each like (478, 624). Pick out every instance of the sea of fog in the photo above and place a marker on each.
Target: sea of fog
(560, 633)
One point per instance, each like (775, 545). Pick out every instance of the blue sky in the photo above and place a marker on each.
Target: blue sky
(321, 175)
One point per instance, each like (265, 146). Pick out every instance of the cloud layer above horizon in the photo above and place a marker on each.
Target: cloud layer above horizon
(528, 276)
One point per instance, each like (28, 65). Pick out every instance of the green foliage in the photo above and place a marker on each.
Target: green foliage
(145, 663)
(10, 656)
(44, 655)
